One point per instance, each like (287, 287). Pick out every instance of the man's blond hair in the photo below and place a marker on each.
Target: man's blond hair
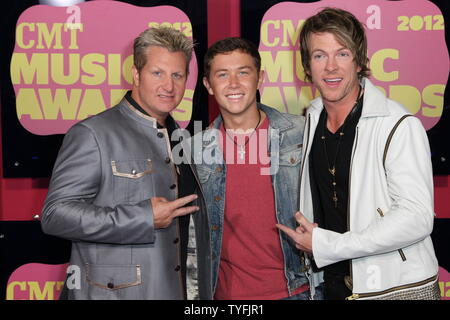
(168, 38)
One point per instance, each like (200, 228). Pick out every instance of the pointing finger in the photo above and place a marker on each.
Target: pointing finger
(298, 238)
(184, 211)
(303, 222)
(180, 202)
(291, 233)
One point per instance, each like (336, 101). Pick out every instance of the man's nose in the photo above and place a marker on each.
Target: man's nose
(168, 84)
(331, 64)
(234, 81)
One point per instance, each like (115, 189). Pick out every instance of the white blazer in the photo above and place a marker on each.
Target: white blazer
(390, 212)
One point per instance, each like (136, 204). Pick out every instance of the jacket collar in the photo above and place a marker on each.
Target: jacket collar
(141, 116)
(374, 103)
(277, 121)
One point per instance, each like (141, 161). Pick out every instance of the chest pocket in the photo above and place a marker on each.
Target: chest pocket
(291, 156)
(133, 180)
(203, 174)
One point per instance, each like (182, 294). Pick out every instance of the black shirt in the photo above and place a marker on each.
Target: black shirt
(186, 184)
(323, 156)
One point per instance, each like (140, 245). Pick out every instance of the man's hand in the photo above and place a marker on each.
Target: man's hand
(302, 235)
(165, 211)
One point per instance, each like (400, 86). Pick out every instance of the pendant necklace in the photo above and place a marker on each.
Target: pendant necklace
(332, 166)
(241, 151)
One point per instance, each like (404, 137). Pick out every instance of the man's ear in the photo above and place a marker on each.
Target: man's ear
(307, 72)
(207, 86)
(135, 73)
(358, 69)
(261, 78)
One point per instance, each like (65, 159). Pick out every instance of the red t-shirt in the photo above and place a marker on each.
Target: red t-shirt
(251, 262)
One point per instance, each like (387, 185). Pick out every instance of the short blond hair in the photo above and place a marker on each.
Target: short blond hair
(168, 38)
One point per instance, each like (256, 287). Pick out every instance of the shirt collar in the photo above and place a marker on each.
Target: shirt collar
(170, 122)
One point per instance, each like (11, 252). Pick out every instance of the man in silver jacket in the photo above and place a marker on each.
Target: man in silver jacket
(121, 196)
(366, 177)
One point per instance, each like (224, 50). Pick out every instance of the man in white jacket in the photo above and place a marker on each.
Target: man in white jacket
(366, 175)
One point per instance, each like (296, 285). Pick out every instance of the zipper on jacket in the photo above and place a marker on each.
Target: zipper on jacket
(304, 257)
(400, 251)
(306, 267)
(349, 280)
(406, 286)
(307, 125)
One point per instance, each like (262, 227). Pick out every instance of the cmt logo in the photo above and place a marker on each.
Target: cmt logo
(444, 283)
(62, 75)
(34, 289)
(35, 281)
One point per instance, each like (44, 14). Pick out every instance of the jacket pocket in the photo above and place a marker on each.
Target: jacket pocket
(113, 277)
(203, 174)
(132, 179)
(131, 169)
(291, 156)
(400, 251)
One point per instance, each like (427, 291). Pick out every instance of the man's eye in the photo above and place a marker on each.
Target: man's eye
(156, 73)
(177, 76)
(345, 53)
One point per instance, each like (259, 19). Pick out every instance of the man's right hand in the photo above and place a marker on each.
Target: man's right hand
(165, 211)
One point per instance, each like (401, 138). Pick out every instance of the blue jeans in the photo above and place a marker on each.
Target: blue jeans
(306, 295)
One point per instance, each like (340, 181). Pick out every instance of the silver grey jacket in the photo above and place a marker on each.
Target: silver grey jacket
(108, 168)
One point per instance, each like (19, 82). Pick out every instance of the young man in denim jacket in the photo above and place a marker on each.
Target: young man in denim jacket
(248, 163)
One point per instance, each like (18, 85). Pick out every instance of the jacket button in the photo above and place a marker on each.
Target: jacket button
(177, 268)
(215, 227)
(173, 186)
(167, 160)
(219, 169)
(217, 198)
(176, 240)
(110, 285)
(160, 134)
(292, 160)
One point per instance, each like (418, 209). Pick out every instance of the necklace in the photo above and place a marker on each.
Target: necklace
(332, 167)
(241, 151)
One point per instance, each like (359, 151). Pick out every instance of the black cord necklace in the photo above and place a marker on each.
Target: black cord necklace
(332, 167)
(241, 151)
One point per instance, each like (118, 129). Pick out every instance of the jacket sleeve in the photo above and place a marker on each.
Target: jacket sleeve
(410, 216)
(69, 210)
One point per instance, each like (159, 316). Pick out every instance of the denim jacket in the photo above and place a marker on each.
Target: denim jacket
(285, 147)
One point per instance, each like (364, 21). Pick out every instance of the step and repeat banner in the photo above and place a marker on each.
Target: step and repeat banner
(409, 58)
(67, 66)
(65, 62)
